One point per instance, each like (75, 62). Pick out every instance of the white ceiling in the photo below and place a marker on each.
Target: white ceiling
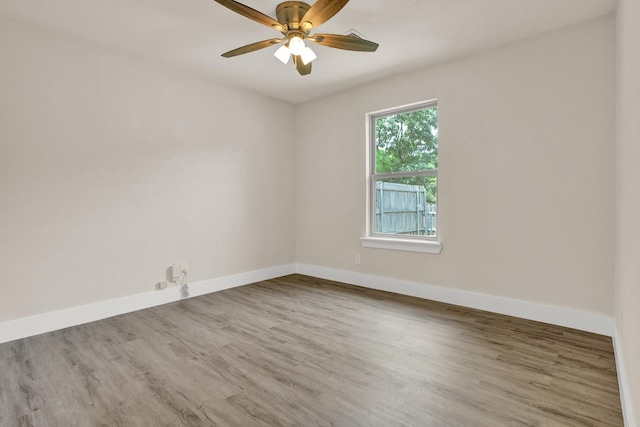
(412, 33)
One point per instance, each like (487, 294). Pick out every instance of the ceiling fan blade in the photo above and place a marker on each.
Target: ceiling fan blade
(252, 47)
(344, 42)
(322, 11)
(302, 69)
(252, 14)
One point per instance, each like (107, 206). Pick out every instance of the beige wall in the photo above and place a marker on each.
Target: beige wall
(112, 168)
(628, 194)
(527, 172)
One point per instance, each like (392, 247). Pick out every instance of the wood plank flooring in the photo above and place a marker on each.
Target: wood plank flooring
(299, 351)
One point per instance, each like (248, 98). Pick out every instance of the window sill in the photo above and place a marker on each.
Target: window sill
(409, 245)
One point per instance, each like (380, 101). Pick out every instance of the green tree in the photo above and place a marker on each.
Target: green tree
(409, 142)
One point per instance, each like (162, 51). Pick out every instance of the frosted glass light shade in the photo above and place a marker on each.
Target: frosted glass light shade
(307, 55)
(283, 54)
(296, 45)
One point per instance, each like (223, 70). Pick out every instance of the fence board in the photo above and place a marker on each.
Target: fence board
(403, 209)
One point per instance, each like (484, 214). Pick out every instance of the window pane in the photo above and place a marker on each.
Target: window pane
(407, 142)
(406, 206)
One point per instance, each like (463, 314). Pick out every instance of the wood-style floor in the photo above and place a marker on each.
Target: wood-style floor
(299, 351)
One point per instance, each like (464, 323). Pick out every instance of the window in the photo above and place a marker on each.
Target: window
(403, 183)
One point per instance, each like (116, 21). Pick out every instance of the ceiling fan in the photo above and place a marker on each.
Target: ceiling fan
(295, 21)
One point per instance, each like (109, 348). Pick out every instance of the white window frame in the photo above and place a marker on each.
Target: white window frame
(425, 244)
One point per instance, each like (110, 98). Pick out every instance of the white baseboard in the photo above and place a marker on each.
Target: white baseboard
(591, 322)
(623, 383)
(47, 322)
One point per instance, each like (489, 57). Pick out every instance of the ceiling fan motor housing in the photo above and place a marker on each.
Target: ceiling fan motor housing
(290, 13)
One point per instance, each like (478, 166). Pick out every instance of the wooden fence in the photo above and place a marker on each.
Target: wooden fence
(403, 209)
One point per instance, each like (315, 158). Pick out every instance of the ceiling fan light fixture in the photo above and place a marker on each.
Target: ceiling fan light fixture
(296, 20)
(307, 55)
(283, 54)
(296, 45)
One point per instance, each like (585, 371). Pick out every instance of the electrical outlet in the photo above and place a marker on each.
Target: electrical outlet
(161, 285)
(357, 259)
(174, 272)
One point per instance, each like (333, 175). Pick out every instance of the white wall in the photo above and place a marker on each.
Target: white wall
(527, 172)
(628, 197)
(112, 168)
